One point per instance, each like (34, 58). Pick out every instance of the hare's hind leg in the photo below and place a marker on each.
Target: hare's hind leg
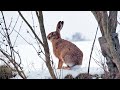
(60, 63)
(69, 60)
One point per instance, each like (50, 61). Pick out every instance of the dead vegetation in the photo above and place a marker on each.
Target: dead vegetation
(95, 76)
(6, 72)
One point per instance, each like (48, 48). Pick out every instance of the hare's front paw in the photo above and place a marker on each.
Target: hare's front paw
(59, 68)
(66, 67)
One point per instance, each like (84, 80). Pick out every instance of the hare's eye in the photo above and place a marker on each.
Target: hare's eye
(53, 33)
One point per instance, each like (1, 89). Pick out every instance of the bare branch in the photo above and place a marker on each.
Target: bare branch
(10, 23)
(2, 34)
(18, 56)
(92, 51)
(3, 30)
(22, 37)
(21, 73)
(14, 25)
(97, 62)
(33, 20)
(30, 44)
(4, 20)
(30, 28)
(8, 56)
(17, 34)
(102, 65)
(8, 38)
(5, 62)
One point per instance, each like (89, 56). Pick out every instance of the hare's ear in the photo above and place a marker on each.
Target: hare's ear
(59, 26)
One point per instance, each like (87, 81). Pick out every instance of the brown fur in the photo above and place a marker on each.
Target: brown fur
(64, 50)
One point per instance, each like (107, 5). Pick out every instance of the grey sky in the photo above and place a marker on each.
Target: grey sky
(74, 21)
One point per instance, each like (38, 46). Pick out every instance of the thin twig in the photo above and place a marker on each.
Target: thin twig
(31, 28)
(99, 54)
(8, 38)
(102, 65)
(4, 19)
(18, 56)
(17, 34)
(7, 56)
(33, 20)
(31, 35)
(29, 44)
(4, 51)
(10, 23)
(2, 29)
(2, 34)
(22, 36)
(5, 62)
(92, 51)
(96, 61)
(14, 24)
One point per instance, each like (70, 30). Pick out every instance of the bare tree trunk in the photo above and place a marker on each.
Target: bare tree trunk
(106, 53)
(109, 41)
(46, 48)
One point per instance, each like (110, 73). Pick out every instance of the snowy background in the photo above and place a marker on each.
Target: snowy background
(35, 68)
(74, 21)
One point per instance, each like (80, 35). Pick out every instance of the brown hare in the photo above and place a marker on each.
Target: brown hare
(64, 50)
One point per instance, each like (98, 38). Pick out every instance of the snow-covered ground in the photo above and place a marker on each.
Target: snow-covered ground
(35, 67)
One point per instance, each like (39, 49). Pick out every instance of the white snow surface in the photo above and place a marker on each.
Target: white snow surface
(35, 68)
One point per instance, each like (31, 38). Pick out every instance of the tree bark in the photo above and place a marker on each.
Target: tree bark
(109, 41)
(106, 53)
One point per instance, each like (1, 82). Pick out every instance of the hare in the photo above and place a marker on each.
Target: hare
(64, 50)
